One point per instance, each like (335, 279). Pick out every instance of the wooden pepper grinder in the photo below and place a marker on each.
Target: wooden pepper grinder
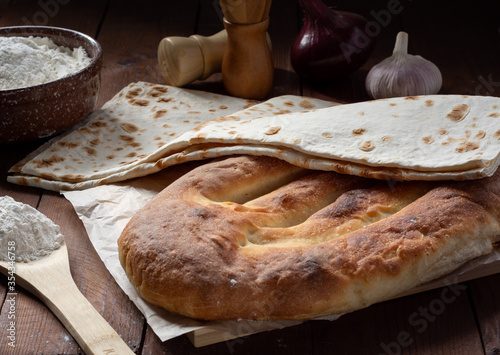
(247, 66)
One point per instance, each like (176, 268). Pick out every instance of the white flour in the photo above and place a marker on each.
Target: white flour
(25, 232)
(29, 61)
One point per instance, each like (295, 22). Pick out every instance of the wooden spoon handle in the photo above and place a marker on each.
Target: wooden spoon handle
(90, 330)
(50, 280)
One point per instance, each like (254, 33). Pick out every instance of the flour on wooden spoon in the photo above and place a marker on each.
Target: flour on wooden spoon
(25, 232)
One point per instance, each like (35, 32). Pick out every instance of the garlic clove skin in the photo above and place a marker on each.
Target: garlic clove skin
(403, 74)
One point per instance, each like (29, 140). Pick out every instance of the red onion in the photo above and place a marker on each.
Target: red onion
(331, 43)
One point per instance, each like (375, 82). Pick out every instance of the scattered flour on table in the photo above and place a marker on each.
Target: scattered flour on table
(34, 234)
(29, 61)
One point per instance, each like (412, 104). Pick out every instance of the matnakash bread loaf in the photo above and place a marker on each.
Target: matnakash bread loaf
(248, 237)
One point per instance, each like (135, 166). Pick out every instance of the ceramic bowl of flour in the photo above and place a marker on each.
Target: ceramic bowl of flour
(49, 81)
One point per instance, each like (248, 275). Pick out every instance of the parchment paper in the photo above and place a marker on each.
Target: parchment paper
(105, 210)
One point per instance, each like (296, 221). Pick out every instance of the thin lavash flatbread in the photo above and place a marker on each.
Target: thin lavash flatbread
(136, 122)
(131, 133)
(433, 137)
(436, 137)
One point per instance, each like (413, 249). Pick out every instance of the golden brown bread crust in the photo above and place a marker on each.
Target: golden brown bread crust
(256, 238)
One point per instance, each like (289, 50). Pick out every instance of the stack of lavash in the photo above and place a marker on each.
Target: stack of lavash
(146, 128)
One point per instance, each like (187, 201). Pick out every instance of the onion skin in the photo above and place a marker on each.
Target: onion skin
(330, 44)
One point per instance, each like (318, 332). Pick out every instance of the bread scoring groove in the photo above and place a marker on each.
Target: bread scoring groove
(246, 185)
(296, 201)
(353, 210)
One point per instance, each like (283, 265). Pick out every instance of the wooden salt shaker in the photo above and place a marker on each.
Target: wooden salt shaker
(183, 60)
(247, 66)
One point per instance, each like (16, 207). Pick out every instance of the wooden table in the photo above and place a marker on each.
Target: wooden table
(461, 37)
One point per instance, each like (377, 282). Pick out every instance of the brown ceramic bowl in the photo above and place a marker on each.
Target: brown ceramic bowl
(43, 110)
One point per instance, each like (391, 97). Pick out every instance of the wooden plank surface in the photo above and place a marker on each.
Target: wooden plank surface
(484, 296)
(461, 37)
(130, 35)
(37, 329)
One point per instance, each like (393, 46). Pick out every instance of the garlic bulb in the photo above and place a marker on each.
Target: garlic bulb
(403, 74)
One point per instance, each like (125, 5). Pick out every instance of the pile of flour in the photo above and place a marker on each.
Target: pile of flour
(29, 61)
(25, 232)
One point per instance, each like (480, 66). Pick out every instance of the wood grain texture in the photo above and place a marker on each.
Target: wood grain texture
(410, 325)
(456, 43)
(209, 22)
(283, 28)
(51, 281)
(79, 15)
(130, 36)
(38, 330)
(91, 275)
(463, 39)
(484, 294)
(247, 66)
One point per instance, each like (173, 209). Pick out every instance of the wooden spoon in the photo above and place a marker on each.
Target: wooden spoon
(50, 280)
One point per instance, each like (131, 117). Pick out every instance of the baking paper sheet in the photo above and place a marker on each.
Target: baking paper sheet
(105, 210)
